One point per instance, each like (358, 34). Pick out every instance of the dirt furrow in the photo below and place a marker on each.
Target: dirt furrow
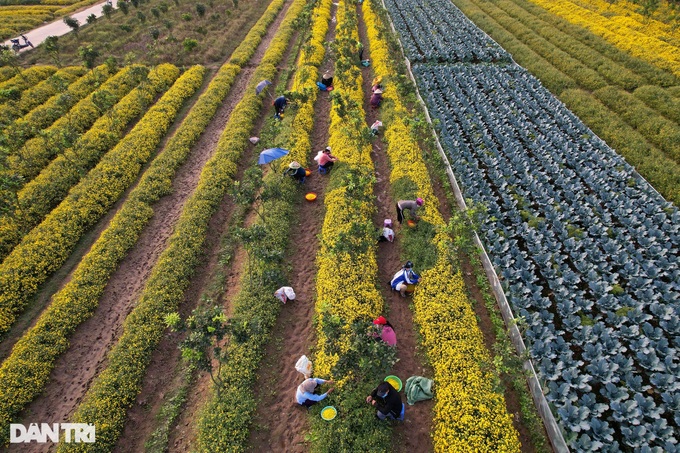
(86, 357)
(414, 433)
(280, 423)
(183, 434)
(159, 378)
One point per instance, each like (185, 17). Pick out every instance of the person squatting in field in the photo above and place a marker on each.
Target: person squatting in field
(403, 278)
(387, 401)
(305, 395)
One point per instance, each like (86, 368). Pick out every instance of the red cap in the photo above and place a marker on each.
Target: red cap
(380, 321)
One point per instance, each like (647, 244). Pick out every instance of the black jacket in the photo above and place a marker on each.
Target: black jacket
(391, 404)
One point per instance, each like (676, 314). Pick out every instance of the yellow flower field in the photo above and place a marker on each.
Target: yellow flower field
(647, 44)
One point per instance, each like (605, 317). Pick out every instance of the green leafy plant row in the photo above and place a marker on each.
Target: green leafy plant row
(39, 93)
(37, 152)
(225, 420)
(6, 73)
(48, 189)
(13, 88)
(660, 131)
(660, 100)
(48, 245)
(52, 109)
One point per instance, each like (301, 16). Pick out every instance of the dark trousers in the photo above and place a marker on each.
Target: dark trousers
(309, 403)
(327, 166)
(400, 214)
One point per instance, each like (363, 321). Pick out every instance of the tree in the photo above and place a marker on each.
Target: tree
(72, 23)
(89, 54)
(209, 338)
(124, 7)
(107, 10)
(200, 9)
(91, 19)
(52, 48)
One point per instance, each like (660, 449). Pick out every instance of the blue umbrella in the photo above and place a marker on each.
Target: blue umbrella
(271, 154)
(262, 85)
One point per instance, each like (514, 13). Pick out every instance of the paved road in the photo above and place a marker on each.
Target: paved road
(58, 27)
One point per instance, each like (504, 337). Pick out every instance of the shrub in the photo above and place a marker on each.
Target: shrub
(156, 13)
(200, 9)
(155, 33)
(189, 44)
(187, 17)
(91, 19)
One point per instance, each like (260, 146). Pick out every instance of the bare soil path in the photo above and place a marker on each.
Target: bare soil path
(282, 422)
(160, 378)
(414, 433)
(75, 370)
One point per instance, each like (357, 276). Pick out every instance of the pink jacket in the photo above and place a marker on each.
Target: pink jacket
(388, 336)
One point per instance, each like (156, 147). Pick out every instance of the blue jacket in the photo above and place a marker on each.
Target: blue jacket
(404, 276)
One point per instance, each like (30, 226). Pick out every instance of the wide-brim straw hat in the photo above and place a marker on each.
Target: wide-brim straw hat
(294, 165)
(327, 74)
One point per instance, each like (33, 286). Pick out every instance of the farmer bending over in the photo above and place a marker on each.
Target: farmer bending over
(305, 395)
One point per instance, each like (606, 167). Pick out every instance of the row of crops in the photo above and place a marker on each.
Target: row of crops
(628, 102)
(586, 249)
(430, 37)
(644, 38)
(24, 374)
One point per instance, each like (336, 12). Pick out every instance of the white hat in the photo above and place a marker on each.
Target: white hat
(294, 165)
(378, 91)
(328, 148)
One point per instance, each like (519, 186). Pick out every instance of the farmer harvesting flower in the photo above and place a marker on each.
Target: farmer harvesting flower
(387, 401)
(327, 160)
(405, 277)
(305, 395)
(411, 205)
(385, 331)
(280, 104)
